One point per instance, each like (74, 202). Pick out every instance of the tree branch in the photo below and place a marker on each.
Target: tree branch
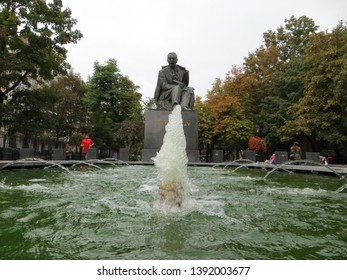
(15, 84)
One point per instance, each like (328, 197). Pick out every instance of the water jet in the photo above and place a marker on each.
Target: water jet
(171, 162)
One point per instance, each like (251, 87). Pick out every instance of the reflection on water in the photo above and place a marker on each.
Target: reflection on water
(114, 214)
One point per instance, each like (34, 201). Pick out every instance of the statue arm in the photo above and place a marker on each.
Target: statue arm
(165, 85)
(181, 84)
(162, 85)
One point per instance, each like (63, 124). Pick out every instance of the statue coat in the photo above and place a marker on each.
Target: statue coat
(166, 80)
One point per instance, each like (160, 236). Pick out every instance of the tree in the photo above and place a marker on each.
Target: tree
(148, 104)
(205, 126)
(231, 124)
(112, 94)
(321, 112)
(52, 110)
(292, 38)
(278, 69)
(31, 112)
(288, 87)
(69, 110)
(130, 133)
(292, 86)
(111, 98)
(32, 39)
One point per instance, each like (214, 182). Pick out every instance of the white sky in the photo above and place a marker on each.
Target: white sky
(209, 36)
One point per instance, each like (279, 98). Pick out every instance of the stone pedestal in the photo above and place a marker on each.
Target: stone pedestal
(313, 156)
(281, 156)
(26, 153)
(58, 154)
(155, 122)
(250, 155)
(124, 154)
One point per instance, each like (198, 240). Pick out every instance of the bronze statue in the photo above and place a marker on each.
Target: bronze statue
(172, 86)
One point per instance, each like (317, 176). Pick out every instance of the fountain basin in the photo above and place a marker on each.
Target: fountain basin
(114, 213)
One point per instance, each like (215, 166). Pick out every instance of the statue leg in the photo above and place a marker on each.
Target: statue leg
(176, 94)
(187, 101)
(164, 105)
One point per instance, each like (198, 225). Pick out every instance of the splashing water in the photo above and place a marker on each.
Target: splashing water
(114, 213)
(171, 162)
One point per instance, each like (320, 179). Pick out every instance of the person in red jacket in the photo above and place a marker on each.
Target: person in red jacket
(86, 144)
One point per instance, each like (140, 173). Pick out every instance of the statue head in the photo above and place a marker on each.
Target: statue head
(172, 58)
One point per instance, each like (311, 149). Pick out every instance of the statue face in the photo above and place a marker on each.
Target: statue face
(172, 59)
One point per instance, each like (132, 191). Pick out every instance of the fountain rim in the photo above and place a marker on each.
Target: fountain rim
(306, 166)
(28, 163)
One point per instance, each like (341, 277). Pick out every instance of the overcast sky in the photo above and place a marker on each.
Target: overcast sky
(209, 36)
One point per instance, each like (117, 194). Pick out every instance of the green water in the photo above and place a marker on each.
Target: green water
(114, 214)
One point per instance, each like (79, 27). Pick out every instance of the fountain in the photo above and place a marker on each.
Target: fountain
(171, 162)
(116, 213)
(140, 212)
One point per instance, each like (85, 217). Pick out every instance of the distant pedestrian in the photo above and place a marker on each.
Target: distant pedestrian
(295, 152)
(68, 152)
(86, 144)
(272, 159)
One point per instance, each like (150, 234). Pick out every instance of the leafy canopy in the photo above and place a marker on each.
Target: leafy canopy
(32, 39)
(112, 98)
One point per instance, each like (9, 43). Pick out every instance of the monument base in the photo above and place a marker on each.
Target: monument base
(148, 154)
(155, 122)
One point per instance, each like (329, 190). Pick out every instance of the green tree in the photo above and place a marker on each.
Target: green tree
(288, 88)
(32, 39)
(111, 98)
(260, 67)
(321, 112)
(130, 133)
(69, 110)
(292, 38)
(278, 69)
(52, 110)
(205, 126)
(31, 112)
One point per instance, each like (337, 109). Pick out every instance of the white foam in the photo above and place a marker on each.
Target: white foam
(171, 162)
(33, 187)
(37, 180)
(148, 188)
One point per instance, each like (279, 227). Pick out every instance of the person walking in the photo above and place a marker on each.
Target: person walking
(86, 144)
